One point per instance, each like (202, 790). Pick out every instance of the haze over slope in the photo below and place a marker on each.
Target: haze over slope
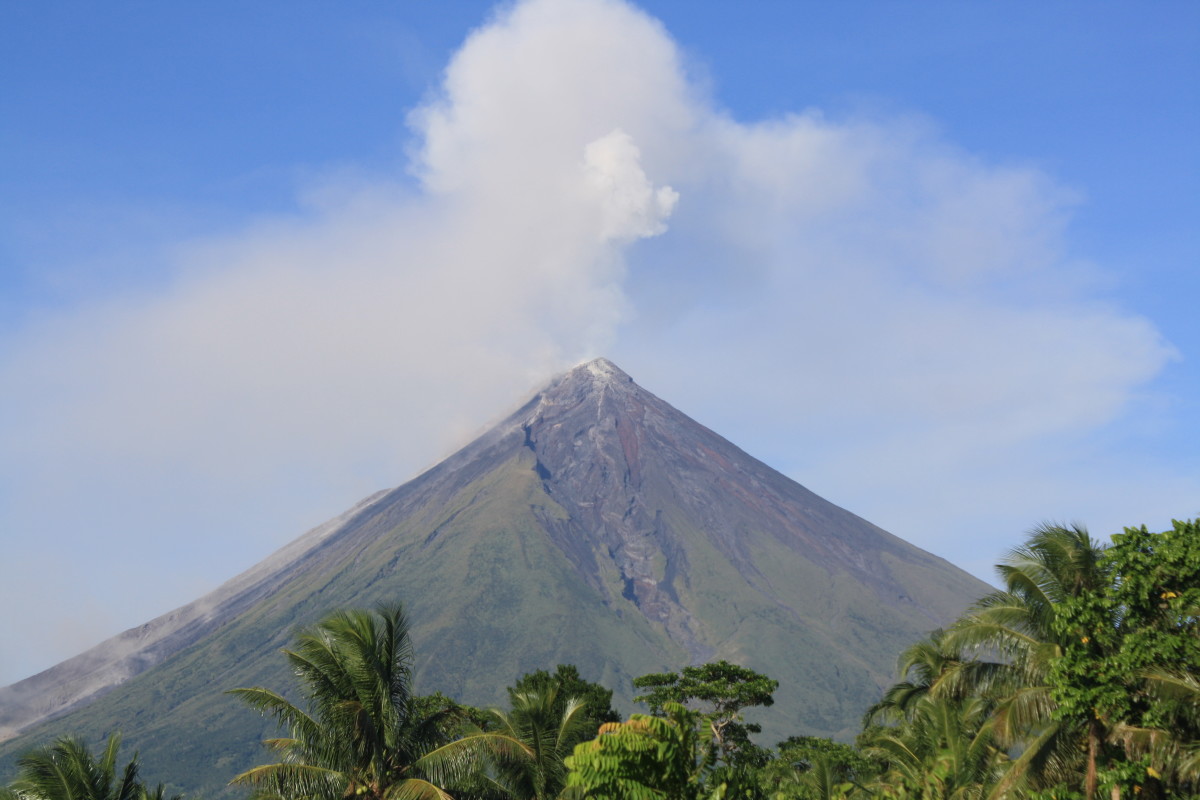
(596, 525)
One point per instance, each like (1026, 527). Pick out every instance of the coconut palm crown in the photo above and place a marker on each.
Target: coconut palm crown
(363, 732)
(1016, 628)
(68, 770)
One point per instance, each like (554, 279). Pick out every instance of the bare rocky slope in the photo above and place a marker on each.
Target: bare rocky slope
(596, 525)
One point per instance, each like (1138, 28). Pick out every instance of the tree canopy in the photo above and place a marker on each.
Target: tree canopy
(721, 690)
(567, 684)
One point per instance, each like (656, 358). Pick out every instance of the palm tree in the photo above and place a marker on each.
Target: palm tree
(920, 667)
(935, 744)
(521, 754)
(67, 770)
(536, 771)
(363, 733)
(823, 777)
(1015, 629)
(943, 750)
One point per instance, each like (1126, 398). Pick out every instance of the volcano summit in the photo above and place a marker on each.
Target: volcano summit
(596, 525)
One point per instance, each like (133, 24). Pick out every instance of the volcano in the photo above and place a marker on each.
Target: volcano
(596, 525)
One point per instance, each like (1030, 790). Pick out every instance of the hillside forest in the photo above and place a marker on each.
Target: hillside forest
(1079, 679)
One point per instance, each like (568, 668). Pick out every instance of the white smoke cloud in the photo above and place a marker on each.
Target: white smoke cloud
(854, 290)
(630, 206)
(914, 327)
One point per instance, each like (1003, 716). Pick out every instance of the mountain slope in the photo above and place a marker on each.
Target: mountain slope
(596, 525)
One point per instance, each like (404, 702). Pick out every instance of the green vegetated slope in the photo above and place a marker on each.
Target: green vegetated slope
(830, 638)
(489, 598)
(596, 526)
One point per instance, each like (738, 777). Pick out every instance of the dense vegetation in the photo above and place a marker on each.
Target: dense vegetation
(1079, 679)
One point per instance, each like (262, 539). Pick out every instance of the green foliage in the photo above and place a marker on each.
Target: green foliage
(813, 768)
(1059, 792)
(456, 718)
(728, 688)
(67, 770)
(1130, 648)
(362, 733)
(566, 684)
(520, 753)
(671, 756)
(920, 667)
(945, 748)
(1082, 676)
(646, 758)
(1017, 634)
(803, 752)
(1153, 597)
(723, 690)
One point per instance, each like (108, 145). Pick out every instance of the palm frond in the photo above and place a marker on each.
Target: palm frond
(416, 789)
(294, 780)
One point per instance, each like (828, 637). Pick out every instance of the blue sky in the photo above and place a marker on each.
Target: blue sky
(935, 261)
